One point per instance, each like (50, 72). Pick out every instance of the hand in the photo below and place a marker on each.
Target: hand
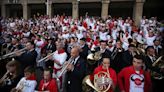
(57, 62)
(70, 67)
(49, 58)
(18, 53)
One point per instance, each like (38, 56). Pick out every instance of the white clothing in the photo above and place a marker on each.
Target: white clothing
(103, 36)
(28, 85)
(27, 34)
(65, 36)
(61, 58)
(149, 40)
(136, 83)
(79, 35)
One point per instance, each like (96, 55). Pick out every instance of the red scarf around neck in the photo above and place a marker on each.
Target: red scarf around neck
(61, 51)
(32, 77)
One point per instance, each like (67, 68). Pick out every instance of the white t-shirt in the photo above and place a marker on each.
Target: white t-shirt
(27, 34)
(79, 35)
(65, 36)
(103, 36)
(136, 83)
(149, 40)
(28, 85)
(59, 57)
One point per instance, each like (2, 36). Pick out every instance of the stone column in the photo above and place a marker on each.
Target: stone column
(25, 9)
(3, 10)
(104, 9)
(75, 9)
(49, 8)
(138, 11)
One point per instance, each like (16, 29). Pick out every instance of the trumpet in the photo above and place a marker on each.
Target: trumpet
(115, 52)
(4, 77)
(46, 58)
(12, 54)
(63, 70)
(20, 87)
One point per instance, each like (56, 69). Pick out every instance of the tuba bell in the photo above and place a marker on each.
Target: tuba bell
(158, 63)
(92, 58)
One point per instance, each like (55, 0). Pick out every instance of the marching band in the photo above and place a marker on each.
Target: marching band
(88, 55)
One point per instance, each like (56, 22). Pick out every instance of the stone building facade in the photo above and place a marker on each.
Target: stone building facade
(74, 8)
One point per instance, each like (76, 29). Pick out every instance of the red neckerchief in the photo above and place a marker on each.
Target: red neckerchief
(96, 42)
(88, 39)
(39, 39)
(110, 46)
(32, 77)
(127, 35)
(61, 51)
(95, 27)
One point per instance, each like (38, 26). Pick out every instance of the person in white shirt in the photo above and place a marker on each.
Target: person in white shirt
(65, 35)
(28, 82)
(79, 35)
(103, 35)
(59, 57)
(38, 43)
(124, 40)
(150, 38)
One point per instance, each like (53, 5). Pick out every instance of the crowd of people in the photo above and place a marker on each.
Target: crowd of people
(56, 54)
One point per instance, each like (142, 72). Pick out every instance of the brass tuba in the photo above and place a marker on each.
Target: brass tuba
(92, 58)
(102, 81)
(158, 63)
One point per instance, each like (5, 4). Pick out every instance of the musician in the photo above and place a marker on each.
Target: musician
(76, 72)
(84, 48)
(128, 55)
(28, 82)
(48, 83)
(134, 78)
(116, 57)
(27, 58)
(59, 57)
(150, 58)
(12, 76)
(24, 40)
(106, 65)
(39, 43)
(47, 49)
(50, 47)
(15, 45)
(157, 47)
(72, 44)
(103, 49)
